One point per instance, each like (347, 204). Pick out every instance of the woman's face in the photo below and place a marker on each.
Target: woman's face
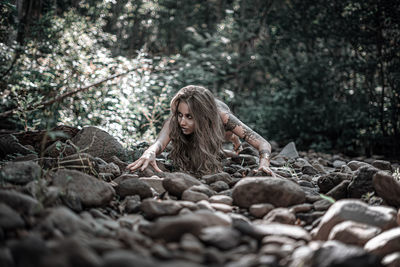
(185, 119)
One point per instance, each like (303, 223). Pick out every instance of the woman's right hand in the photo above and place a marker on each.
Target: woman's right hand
(148, 157)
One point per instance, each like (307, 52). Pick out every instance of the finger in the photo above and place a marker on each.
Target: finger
(145, 164)
(155, 166)
(136, 164)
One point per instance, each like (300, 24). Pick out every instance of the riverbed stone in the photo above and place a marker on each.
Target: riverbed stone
(353, 233)
(132, 187)
(384, 243)
(21, 172)
(355, 210)
(387, 187)
(276, 191)
(100, 192)
(176, 183)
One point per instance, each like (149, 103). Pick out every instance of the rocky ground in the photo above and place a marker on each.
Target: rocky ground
(70, 202)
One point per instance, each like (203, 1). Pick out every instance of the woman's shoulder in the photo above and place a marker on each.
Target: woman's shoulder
(222, 107)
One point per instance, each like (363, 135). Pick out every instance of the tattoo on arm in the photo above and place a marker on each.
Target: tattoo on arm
(250, 134)
(232, 123)
(159, 148)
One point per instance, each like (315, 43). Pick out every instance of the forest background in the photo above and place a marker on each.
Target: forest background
(324, 74)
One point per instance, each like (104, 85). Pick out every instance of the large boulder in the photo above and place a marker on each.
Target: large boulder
(276, 191)
(134, 186)
(91, 191)
(98, 143)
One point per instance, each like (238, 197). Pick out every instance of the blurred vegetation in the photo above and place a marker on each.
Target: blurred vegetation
(323, 74)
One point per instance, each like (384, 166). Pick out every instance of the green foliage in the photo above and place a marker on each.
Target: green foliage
(324, 75)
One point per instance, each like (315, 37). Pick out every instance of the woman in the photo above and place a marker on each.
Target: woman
(197, 127)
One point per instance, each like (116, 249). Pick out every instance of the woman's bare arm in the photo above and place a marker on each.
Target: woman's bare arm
(149, 156)
(233, 124)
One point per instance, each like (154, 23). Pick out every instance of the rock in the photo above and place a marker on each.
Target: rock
(9, 219)
(387, 187)
(9, 144)
(124, 177)
(221, 207)
(20, 172)
(278, 229)
(100, 192)
(334, 253)
(20, 202)
(280, 215)
(329, 181)
(212, 178)
(221, 237)
(203, 189)
(355, 210)
(6, 259)
(110, 168)
(172, 228)
(64, 220)
(260, 210)
(154, 209)
(193, 196)
(176, 183)
(245, 160)
(382, 165)
(391, 260)
(309, 170)
(289, 151)
(154, 182)
(352, 233)
(221, 199)
(29, 251)
(132, 187)
(98, 143)
(338, 163)
(219, 186)
(305, 207)
(362, 182)
(384, 243)
(59, 149)
(355, 165)
(276, 191)
(71, 252)
(339, 191)
(322, 204)
(191, 243)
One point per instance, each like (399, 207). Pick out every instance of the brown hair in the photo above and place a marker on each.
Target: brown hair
(197, 153)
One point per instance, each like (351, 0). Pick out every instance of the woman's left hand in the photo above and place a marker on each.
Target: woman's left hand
(264, 167)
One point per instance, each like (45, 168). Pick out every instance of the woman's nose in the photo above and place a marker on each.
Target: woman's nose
(183, 121)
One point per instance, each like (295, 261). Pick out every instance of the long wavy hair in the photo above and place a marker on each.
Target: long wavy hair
(199, 152)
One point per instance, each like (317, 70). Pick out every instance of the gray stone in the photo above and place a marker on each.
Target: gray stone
(384, 243)
(20, 172)
(154, 182)
(193, 196)
(329, 181)
(64, 220)
(391, 260)
(339, 191)
(153, 208)
(9, 219)
(132, 187)
(176, 183)
(355, 210)
(91, 191)
(334, 253)
(29, 251)
(352, 233)
(221, 237)
(98, 143)
(338, 163)
(172, 228)
(280, 215)
(276, 191)
(221, 199)
(212, 178)
(219, 186)
(20, 202)
(289, 151)
(382, 165)
(260, 210)
(355, 165)
(9, 144)
(278, 229)
(387, 187)
(362, 182)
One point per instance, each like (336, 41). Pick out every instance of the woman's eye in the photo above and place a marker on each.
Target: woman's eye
(180, 115)
(189, 117)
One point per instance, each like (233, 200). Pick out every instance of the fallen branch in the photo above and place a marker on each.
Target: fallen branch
(61, 97)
